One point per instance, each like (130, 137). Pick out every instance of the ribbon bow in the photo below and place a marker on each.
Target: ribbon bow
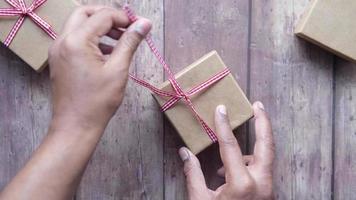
(178, 93)
(19, 9)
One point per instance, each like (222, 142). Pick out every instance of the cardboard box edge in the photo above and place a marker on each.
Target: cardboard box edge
(326, 47)
(304, 19)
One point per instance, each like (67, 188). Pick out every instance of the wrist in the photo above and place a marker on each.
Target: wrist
(72, 124)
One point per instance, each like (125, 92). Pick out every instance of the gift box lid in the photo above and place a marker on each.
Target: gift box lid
(225, 92)
(331, 25)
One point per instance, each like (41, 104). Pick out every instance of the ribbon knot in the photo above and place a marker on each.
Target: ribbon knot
(19, 9)
(178, 93)
(25, 12)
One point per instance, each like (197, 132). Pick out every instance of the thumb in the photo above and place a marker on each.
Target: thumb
(195, 179)
(123, 52)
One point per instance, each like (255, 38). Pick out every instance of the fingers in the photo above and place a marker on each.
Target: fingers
(230, 151)
(192, 170)
(264, 146)
(79, 16)
(102, 22)
(115, 33)
(123, 52)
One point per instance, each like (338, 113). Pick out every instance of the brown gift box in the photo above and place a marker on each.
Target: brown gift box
(225, 92)
(331, 25)
(31, 43)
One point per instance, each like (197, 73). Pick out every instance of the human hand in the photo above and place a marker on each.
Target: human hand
(247, 177)
(89, 78)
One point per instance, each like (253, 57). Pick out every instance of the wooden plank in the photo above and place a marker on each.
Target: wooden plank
(294, 80)
(345, 130)
(193, 28)
(24, 112)
(128, 162)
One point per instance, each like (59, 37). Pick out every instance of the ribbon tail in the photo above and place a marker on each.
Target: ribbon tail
(22, 4)
(14, 31)
(10, 12)
(171, 78)
(204, 125)
(37, 3)
(209, 131)
(131, 15)
(179, 92)
(151, 87)
(43, 24)
(13, 3)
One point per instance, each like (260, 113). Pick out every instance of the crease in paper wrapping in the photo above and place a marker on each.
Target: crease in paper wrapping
(331, 24)
(225, 92)
(31, 43)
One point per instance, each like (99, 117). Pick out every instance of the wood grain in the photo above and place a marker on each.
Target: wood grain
(128, 162)
(137, 157)
(345, 130)
(24, 113)
(192, 29)
(294, 80)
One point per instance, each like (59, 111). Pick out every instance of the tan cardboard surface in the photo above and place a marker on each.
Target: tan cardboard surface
(31, 42)
(226, 92)
(331, 24)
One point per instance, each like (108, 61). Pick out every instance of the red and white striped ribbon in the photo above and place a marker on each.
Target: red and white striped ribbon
(178, 93)
(19, 9)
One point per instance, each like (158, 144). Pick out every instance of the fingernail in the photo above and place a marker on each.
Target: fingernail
(184, 154)
(141, 26)
(222, 110)
(260, 105)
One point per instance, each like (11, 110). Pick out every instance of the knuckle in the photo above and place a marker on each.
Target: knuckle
(229, 141)
(68, 44)
(189, 168)
(107, 12)
(245, 187)
(80, 9)
(248, 185)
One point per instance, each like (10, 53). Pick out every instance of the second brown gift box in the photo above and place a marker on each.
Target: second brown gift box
(225, 92)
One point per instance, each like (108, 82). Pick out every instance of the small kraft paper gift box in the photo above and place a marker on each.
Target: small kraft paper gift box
(190, 97)
(224, 92)
(28, 27)
(331, 25)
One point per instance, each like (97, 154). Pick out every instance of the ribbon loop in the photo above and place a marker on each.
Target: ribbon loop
(178, 94)
(19, 9)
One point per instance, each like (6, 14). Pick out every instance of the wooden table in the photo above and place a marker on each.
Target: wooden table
(309, 93)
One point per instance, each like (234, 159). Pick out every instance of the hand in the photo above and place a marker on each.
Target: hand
(89, 78)
(88, 81)
(247, 177)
